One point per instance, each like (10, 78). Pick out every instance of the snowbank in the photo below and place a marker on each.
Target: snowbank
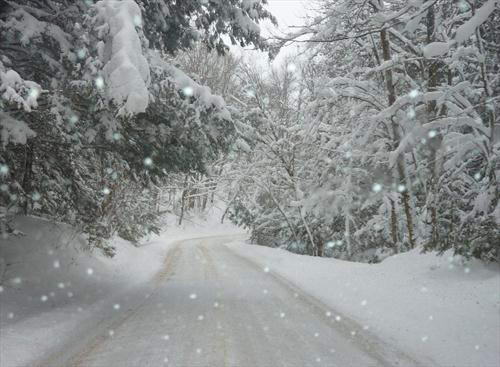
(435, 308)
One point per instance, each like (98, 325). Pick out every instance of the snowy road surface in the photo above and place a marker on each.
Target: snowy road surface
(210, 307)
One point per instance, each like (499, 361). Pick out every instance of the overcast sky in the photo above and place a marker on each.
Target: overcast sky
(288, 12)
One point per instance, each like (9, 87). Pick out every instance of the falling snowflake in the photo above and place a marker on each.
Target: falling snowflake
(338, 318)
(193, 296)
(414, 93)
(81, 53)
(282, 315)
(4, 169)
(116, 306)
(425, 338)
(364, 302)
(111, 332)
(377, 187)
(44, 298)
(90, 271)
(188, 91)
(166, 337)
(137, 21)
(60, 285)
(201, 318)
(99, 82)
(34, 93)
(266, 269)
(73, 119)
(148, 162)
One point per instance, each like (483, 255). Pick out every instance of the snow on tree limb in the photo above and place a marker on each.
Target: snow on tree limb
(466, 30)
(126, 69)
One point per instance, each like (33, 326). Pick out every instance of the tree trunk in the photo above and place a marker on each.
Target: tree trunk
(183, 200)
(27, 183)
(391, 94)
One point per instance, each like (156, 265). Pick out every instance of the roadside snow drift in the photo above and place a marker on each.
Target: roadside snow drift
(436, 308)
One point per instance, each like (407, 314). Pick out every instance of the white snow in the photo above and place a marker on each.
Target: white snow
(435, 49)
(126, 69)
(35, 307)
(436, 308)
(466, 30)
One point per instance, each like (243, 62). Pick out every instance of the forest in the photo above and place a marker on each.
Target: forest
(381, 134)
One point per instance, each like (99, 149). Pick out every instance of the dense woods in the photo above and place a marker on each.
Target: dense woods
(381, 136)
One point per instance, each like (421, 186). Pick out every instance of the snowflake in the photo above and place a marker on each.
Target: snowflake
(34, 93)
(188, 91)
(377, 187)
(414, 93)
(81, 53)
(99, 82)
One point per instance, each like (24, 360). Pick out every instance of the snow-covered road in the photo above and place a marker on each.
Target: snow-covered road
(210, 307)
